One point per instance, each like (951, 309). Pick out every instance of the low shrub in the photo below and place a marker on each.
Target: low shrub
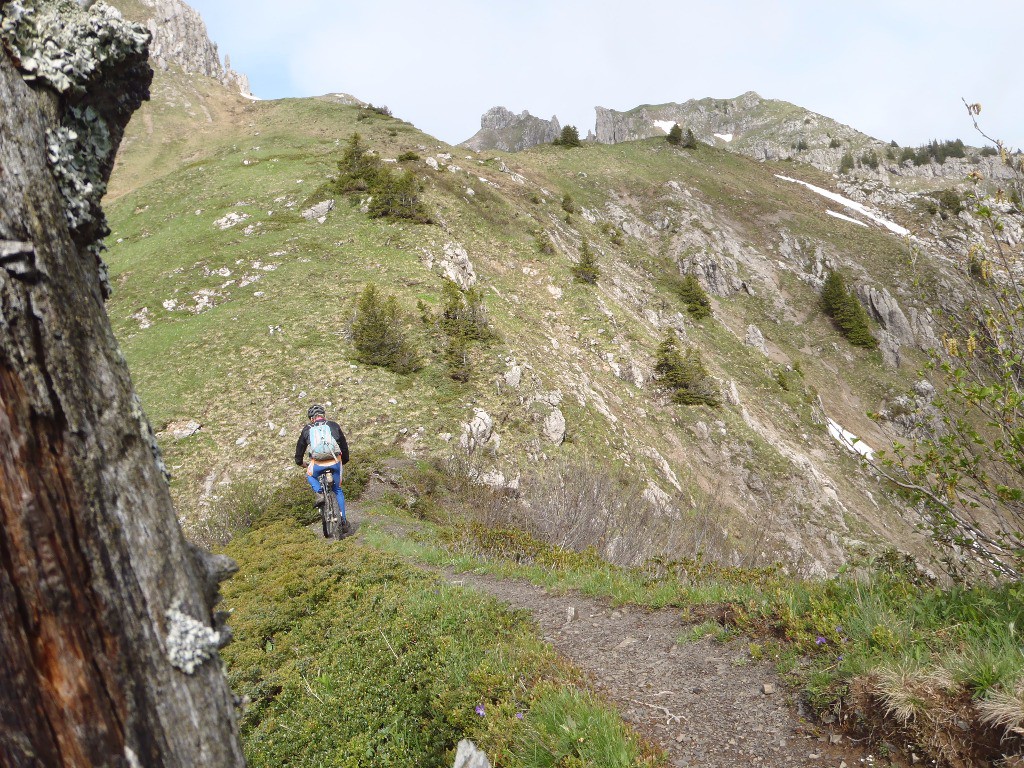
(349, 657)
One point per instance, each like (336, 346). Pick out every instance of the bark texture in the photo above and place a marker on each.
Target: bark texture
(92, 560)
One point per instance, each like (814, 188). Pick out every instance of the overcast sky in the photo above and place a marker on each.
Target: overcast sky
(893, 69)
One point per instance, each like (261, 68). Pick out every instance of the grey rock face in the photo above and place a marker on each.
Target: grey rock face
(754, 338)
(554, 427)
(469, 755)
(180, 39)
(502, 129)
(319, 211)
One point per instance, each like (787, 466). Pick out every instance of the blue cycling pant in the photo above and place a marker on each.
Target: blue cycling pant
(317, 486)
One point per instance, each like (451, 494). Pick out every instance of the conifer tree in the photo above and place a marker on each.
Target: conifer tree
(570, 137)
(846, 311)
(378, 335)
(357, 170)
(684, 375)
(698, 304)
(689, 140)
(833, 293)
(586, 269)
(675, 135)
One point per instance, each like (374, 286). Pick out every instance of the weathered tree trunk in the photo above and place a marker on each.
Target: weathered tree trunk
(107, 645)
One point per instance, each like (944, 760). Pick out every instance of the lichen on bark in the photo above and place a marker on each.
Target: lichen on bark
(95, 64)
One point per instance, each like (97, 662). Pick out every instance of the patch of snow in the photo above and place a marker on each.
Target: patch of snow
(844, 217)
(726, 137)
(665, 125)
(852, 205)
(849, 440)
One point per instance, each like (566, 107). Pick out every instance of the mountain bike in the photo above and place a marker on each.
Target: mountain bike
(335, 526)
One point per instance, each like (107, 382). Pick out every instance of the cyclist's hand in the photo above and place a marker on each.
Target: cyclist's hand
(309, 469)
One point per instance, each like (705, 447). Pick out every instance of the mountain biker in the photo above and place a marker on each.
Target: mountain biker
(328, 451)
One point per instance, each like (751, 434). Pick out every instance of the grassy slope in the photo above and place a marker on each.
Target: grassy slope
(224, 368)
(348, 657)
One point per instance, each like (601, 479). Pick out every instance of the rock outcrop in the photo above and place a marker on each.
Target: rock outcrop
(768, 129)
(504, 130)
(180, 40)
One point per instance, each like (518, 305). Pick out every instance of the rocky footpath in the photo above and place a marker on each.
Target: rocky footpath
(704, 703)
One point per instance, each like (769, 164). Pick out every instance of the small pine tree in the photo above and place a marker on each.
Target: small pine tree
(570, 137)
(378, 335)
(689, 140)
(463, 313)
(357, 169)
(586, 269)
(832, 293)
(457, 361)
(396, 195)
(684, 376)
(675, 135)
(544, 244)
(698, 304)
(852, 320)
(846, 311)
(846, 163)
(568, 204)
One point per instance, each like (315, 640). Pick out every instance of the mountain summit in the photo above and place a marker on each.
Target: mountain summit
(504, 130)
(180, 39)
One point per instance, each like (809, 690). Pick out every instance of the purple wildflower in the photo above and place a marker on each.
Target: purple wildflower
(821, 640)
(519, 715)
(479, 709)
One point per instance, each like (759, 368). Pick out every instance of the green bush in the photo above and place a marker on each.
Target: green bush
(586, 269)
(846, 311)
(378, 335)
(393, 195)
(396, 196)
(544, 244)
(408, 157)
(846, 163)
(689, 140)
(675, 135)
(684, 376)
(568, 204)
(835, 143)
(349, 657)
(689, 289)
(870, 159)
(570, 137)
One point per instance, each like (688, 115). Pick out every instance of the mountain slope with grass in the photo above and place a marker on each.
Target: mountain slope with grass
(235, 310)
(608, 366)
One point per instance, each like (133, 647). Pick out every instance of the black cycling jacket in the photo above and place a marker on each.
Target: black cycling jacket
(303, 445)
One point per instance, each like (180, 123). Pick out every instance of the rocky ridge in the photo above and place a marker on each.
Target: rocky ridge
(180, 39)
(502, 129)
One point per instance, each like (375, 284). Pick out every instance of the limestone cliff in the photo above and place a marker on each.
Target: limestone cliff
(180, 39)
(502, 129)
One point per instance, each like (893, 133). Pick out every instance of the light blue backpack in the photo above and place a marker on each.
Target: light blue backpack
(322, 445)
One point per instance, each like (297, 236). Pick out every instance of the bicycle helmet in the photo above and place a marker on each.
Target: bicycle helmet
(316, 410)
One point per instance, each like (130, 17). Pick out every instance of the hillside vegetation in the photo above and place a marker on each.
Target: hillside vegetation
(660, 431)
(218, 278)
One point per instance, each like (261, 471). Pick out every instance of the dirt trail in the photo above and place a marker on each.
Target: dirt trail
(707, 704)
(703, 702)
